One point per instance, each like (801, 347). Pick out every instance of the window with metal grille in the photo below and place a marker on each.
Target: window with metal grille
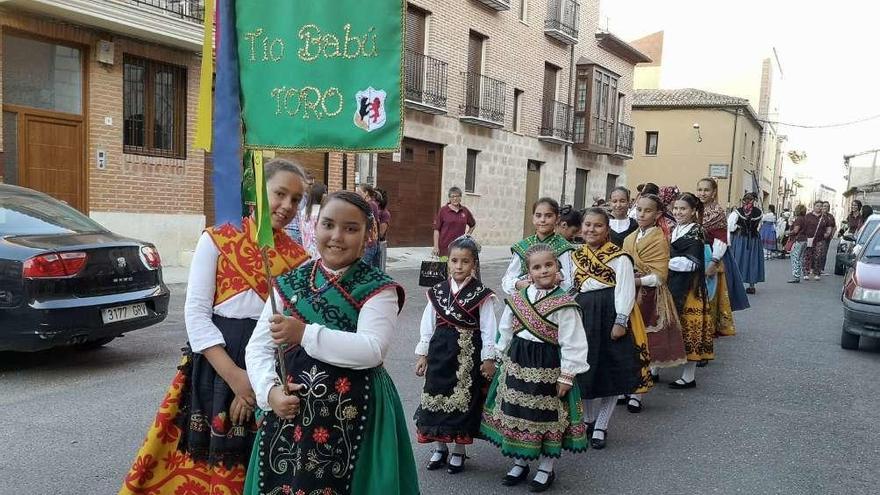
(154, 108)
(470, 174)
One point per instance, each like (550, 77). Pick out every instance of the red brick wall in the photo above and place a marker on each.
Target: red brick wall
(130, 183)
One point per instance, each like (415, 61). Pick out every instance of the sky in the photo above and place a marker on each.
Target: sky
(826, 51)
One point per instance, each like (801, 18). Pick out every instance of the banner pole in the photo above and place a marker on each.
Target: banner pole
(279, 351)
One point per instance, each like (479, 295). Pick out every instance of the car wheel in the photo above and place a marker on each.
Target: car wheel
(848, 340)
(839, 269)
(94, 344)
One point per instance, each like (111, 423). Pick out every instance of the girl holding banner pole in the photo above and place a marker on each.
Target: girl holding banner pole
(203, 433)
(335, 423)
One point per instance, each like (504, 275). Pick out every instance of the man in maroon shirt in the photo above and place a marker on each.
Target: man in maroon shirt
(452, 221)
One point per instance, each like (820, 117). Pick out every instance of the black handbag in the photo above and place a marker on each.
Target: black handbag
(432, 273)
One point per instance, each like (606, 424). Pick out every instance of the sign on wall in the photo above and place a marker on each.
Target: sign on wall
(719, 170)
(321, 76)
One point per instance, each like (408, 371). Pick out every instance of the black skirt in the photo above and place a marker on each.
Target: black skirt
(207, 430)
(615, 365)
(529, 355)
(452, 399)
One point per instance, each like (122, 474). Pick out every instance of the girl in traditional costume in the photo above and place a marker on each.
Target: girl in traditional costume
(621, 223)
(456, 353)
(666, 222)
(334, 424)
(545, 217)
(202, 436)
(746, 245)
(569, 225)
(371, 196)
(533, 409)
(618, 358)
(687, 284)
(649, 251)
(730, 295)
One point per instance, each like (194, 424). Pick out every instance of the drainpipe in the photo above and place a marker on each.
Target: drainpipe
(732, 157)
(570, 126)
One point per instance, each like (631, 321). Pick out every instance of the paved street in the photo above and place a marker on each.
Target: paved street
(782, 410)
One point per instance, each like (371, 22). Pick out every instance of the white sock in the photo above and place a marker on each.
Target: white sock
(456, 460)
(637, 397)
(605, 406)
(546, 465)
(439, 451)
(519, 466)
(689, 371)
(589, 411)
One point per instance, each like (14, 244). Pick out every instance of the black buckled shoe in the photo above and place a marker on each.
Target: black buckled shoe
(599, 443)
(680, 384)
(634, 405)
(432, 465)
(452, 468)
(537, 486)
(509, 480)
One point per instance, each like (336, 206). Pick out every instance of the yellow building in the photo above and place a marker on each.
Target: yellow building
(687, 134)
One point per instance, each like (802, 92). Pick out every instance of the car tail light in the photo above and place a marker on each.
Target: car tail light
(150, 257)
(60, 265)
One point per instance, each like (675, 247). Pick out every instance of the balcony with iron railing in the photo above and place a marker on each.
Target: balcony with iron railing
(606, 137)
(562, 20)
(498, 5)
(555, 123)
(171, 23)
(484, 100)
(625, 135)
(426, 79)
(190, 10)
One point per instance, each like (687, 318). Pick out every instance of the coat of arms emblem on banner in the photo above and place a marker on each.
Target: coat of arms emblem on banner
(369, 112)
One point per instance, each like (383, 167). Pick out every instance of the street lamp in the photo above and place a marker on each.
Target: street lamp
(697, 128)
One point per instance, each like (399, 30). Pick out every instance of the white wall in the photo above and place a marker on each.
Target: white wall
(175, 236)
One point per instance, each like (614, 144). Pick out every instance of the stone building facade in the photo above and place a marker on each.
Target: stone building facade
(685, 135)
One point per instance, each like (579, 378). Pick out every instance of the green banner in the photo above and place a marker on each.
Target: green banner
(321, 75)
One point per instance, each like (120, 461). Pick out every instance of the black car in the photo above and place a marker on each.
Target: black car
(66, 280)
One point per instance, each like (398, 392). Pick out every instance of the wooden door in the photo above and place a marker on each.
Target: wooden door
(533, 186)
(413, 186)
(51, 157)
(415, 30)
(475, 70)
(549, 97)
(414, 66)
(550, 76)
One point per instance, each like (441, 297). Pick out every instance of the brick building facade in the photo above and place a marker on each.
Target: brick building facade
(489, 111)
(99, 103)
